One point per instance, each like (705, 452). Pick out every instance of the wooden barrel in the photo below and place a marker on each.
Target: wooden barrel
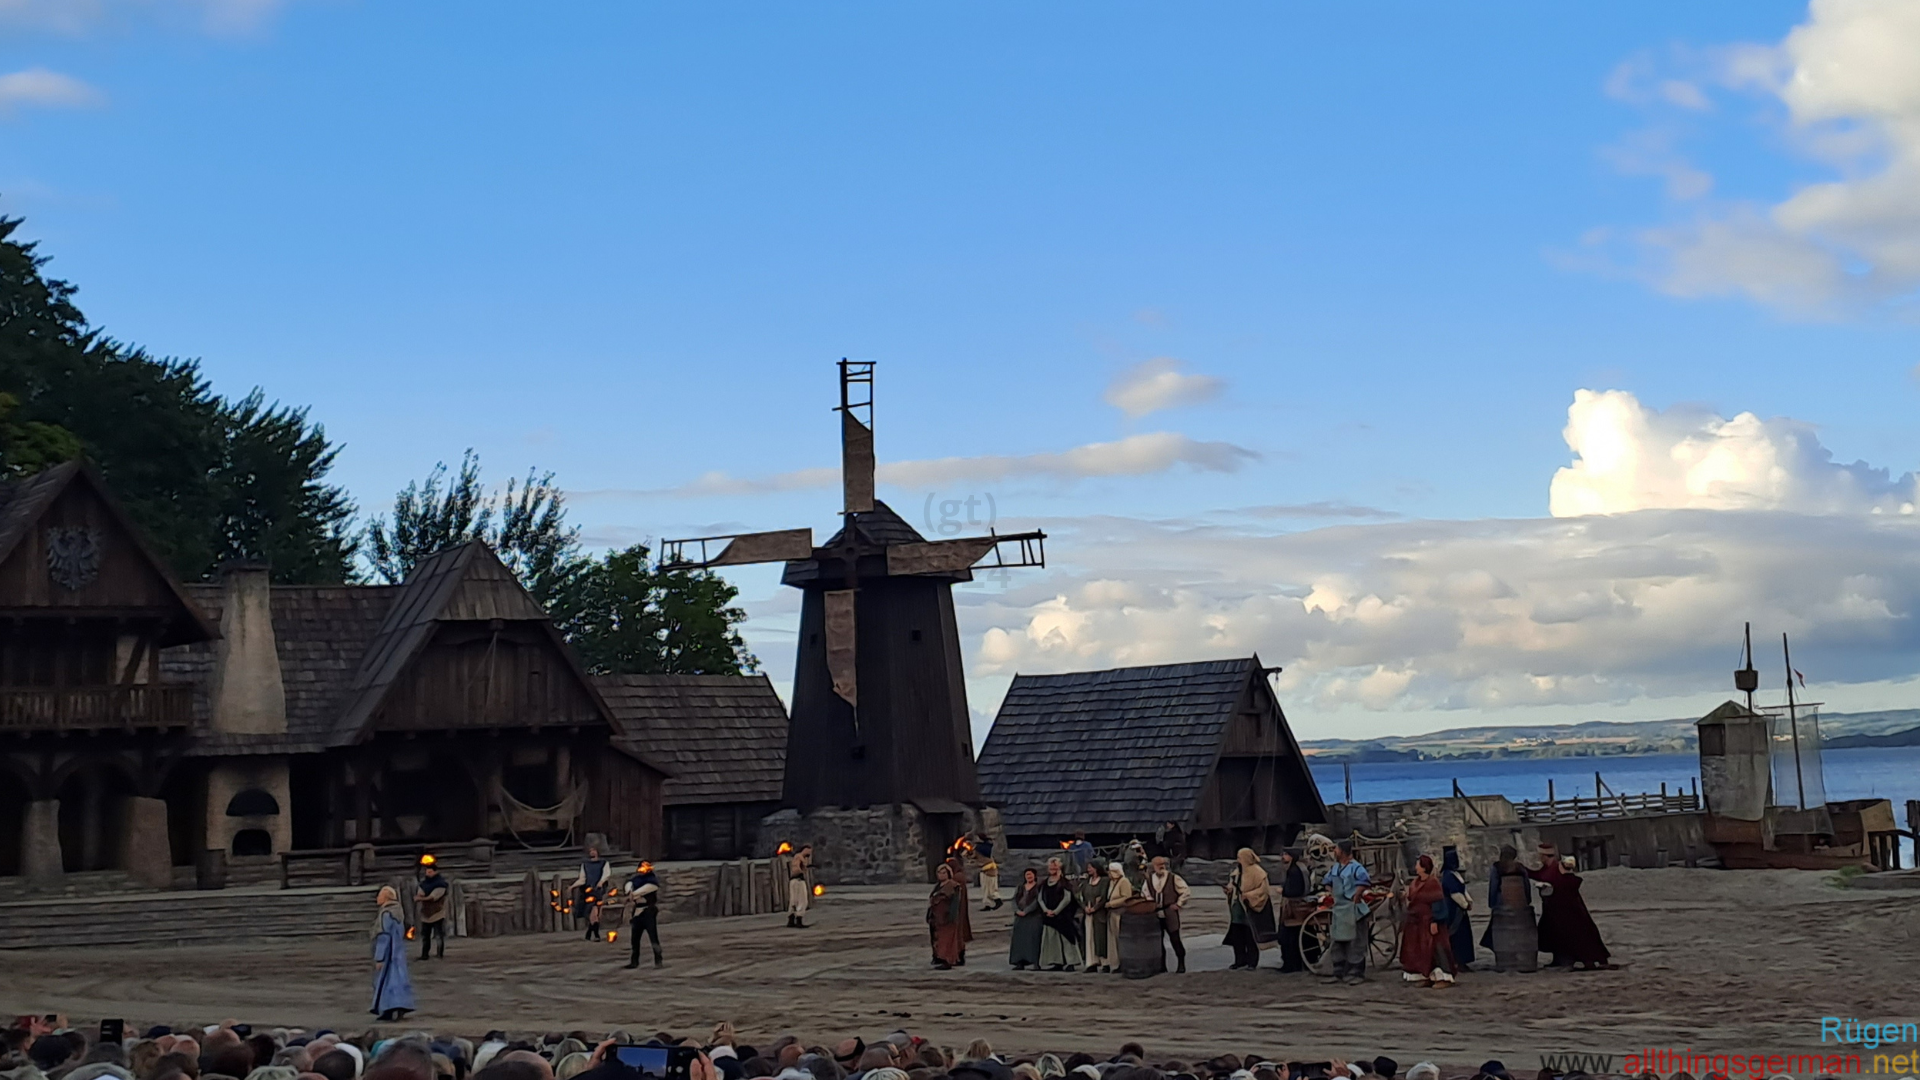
(1141, 954)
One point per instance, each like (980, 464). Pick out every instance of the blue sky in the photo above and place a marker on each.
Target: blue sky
(1371, 252)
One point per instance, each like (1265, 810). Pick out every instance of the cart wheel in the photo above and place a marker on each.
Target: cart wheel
(1383, 936)
(1316, 936)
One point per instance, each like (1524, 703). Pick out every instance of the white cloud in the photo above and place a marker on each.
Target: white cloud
(1849, 87)
(1630, 457)
(1157, 384)
(1669, 530)
(1135, 455)
(1471, 614)
(38, 87)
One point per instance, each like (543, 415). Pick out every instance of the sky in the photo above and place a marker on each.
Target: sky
(1482, 364)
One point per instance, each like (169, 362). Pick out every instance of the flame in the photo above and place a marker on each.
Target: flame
(427, 860)
(612, 935)
(646, 867)
(819, 890)
(962, 846)
(1065, 844)
(409, 933)
(785, 848)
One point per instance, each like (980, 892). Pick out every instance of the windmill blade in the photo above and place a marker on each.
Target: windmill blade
(856, 464)
(780, 545)
(938, 556)
(842, 651)
(953, 556)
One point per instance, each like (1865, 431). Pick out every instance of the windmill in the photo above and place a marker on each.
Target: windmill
(879, 710)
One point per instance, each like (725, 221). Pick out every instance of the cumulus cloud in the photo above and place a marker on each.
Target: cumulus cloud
(1470, 614)
(40, 88)
(1630, 457)
(1848, 88)
(1135, 455)
(1668, 531)
(1157, 384)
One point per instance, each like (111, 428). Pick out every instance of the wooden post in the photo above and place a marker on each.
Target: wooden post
(1549, 793)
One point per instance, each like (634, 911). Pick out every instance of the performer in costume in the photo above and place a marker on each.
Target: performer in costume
(1090, 895)
(643, 900)
(1169, 893)
(1294, 909)
(1511, 933)
(1349, 933)
(1249, 911)
(799, 886)
(1119, 891)
(1059, 921)
(1426, 950)
(989, 872)
(1575, 936)
(430, 901)
(959, 868)
(1453, 881)
(947, 918)
(1025, 950)
(594, 886)
(392, 985)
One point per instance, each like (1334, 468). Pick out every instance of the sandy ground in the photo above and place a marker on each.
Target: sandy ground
(1727, 961)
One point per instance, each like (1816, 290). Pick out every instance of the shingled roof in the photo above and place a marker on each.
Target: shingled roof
(723, 738)
(320, 633)
(1118, 751)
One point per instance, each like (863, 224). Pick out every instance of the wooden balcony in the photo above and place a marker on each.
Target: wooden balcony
(84, 708)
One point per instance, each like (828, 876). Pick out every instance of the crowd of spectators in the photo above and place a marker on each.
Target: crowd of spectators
(45, 1049)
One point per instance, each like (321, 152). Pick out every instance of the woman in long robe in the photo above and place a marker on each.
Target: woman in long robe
(1025, 950)
(392, 985)
(1249, 910)
(1453, 882)
(1511, 933)
(1059, 921)
(1091, 895)
(1426, 953)
(1294, 910)
(1575, 932)
(1119, 891)
(946, 916)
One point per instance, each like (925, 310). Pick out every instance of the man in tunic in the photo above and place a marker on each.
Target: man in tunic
(981, 846)
(799, 886)
(1169, 893)
(1059, 921)
(594, 885)
(1349, 934)
(643, 900)
(430, 903)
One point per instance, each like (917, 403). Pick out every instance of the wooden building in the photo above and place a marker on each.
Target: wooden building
(724, 739)
(249, 719)
(1121, 753)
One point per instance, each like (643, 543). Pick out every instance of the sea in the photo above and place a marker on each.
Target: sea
(1863, 773)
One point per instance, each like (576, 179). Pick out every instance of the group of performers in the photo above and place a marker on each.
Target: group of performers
(1063, 923)
(1436, 939)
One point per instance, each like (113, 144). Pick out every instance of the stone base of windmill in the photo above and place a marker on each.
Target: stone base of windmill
(880, 845)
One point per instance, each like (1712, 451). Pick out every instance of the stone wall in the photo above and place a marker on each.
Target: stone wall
(232, 776)
(881, 845)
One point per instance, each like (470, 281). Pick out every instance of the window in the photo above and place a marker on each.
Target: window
(252, 842)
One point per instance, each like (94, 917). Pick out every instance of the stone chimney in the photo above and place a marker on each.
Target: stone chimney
(248, 696)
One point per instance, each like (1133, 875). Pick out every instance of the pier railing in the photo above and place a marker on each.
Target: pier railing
(1607, 806)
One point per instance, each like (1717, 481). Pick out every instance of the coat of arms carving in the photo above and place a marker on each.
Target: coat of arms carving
(73, 555)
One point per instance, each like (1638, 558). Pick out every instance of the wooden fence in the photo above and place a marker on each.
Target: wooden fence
(1606, 806)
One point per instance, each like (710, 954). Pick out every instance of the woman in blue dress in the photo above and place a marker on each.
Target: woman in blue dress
(1457, 923)
(392, 986)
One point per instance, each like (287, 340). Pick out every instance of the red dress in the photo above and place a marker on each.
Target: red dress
(1421, 949)
(947, 917)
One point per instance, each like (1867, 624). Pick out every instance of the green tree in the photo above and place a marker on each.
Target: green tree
(624, 616)
(206, 479)
(526, 525)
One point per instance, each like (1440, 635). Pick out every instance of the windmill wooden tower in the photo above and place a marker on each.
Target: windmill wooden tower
(879, 711)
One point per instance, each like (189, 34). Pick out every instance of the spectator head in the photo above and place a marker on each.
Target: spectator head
(847, 1052)
(820, 1067)
(757, 1067)
(188, 1045)
(403, 1059)
(219, 1039)
(1139, 1053)
(107, 1053)
(528, 1057)
(336, 1064)
(226, 1058)
(876, 1057)
(263, 1047)
(508, 1067)
(49, 1052)
(570, 1066)
(724, 1034)
(1049, 1067)
(174, 1062)
(1426, 1070)
(1385, 1067)
(790, 1055)
(983, 1069)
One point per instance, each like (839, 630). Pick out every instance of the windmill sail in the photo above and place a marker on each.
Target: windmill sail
(856, 464)
(779, 545)
(841, 640)
(938, 556)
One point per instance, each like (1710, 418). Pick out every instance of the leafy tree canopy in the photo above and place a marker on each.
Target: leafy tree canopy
(626, 617)
(207, 478)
